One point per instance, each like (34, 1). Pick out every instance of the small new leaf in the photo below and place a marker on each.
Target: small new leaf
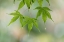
(13, 19)
(21, 5)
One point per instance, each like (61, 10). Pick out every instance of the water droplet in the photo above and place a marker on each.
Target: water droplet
(45, 28)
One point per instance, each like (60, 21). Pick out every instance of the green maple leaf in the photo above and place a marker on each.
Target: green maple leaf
(45, 13)
(30, 22)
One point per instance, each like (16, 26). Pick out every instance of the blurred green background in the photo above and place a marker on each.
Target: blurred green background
(50, 31)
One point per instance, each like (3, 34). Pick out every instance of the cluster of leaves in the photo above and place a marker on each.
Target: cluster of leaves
(44, 11)
(27, 2)
(24, 20)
